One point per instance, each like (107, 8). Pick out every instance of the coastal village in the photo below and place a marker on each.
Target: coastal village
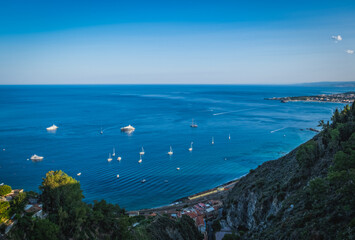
(347, 97)
(201, 207)
(16, 198)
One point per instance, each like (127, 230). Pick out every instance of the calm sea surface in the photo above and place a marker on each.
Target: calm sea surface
(260, 130)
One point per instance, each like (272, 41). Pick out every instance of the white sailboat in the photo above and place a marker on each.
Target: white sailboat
(142, 152)
(193, 125)
(140, 159)
(118, 175)
(229, 137)
(119, 159)
(190, 149)
(101, 132)
(178, 168)
(79, 174)
(171, 151)
(109, 157)
(113, 152)
(212, 140)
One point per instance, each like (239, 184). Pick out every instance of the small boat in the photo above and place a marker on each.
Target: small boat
(79, 174)
(143, 181)
(171, 151)
(109, 157)
(36, 158)
(142, 152)
(128, 128)
(190, 149)
(229, 137)
(119, 159)
(140, 159)
(52, 128)
(212, 140)
(101, 132)
(4, 149)
(193, 125)
(113, 152)
(118, 175)
(178, 168)
(166, 181)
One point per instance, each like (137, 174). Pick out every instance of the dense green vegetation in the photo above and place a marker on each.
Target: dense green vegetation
(70, 218)
(307, 194)
(4, 190)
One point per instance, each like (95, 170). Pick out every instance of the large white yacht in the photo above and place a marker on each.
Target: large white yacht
(52, 128)
(128, 128)
(35, 157)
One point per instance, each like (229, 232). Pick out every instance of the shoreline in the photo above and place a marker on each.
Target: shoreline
(190, 200)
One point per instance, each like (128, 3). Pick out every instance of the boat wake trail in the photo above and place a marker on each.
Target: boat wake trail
(277, 130)
(222, 113)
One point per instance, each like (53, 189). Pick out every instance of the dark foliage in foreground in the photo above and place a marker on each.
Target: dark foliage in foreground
(70, 218)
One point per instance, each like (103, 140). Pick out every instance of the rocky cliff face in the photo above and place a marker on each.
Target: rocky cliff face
(271, 194)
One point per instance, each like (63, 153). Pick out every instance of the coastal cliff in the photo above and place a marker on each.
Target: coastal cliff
(307, 194)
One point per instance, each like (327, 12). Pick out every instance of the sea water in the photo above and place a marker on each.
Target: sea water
(260, 130)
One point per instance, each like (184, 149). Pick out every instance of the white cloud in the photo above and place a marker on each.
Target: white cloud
(350, 51)
(337, 38)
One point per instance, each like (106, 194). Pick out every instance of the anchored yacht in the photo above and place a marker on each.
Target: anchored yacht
(52, 128)
(171, 151)
(142, 152)
(190, 149)
(128, 128)
(109, 157)
(193, 125)
(35, 157)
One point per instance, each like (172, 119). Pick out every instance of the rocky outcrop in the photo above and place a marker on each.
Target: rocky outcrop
(269, 193)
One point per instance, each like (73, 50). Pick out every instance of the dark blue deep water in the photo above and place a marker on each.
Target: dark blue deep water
(260, 130)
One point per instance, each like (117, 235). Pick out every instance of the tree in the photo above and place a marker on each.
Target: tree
(60, 191)
(18, 203)
(307, 154)
(44, 229)
(62, 198)
(5, 189)
(4, 210)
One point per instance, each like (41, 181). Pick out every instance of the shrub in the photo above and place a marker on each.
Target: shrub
(307, 154)
(4, 190)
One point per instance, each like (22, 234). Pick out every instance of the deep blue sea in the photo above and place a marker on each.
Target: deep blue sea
(260, 130)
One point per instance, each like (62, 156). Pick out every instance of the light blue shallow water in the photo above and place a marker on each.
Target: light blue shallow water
(260, 130)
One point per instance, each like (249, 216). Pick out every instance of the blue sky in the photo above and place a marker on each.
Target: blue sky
(168, 42)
